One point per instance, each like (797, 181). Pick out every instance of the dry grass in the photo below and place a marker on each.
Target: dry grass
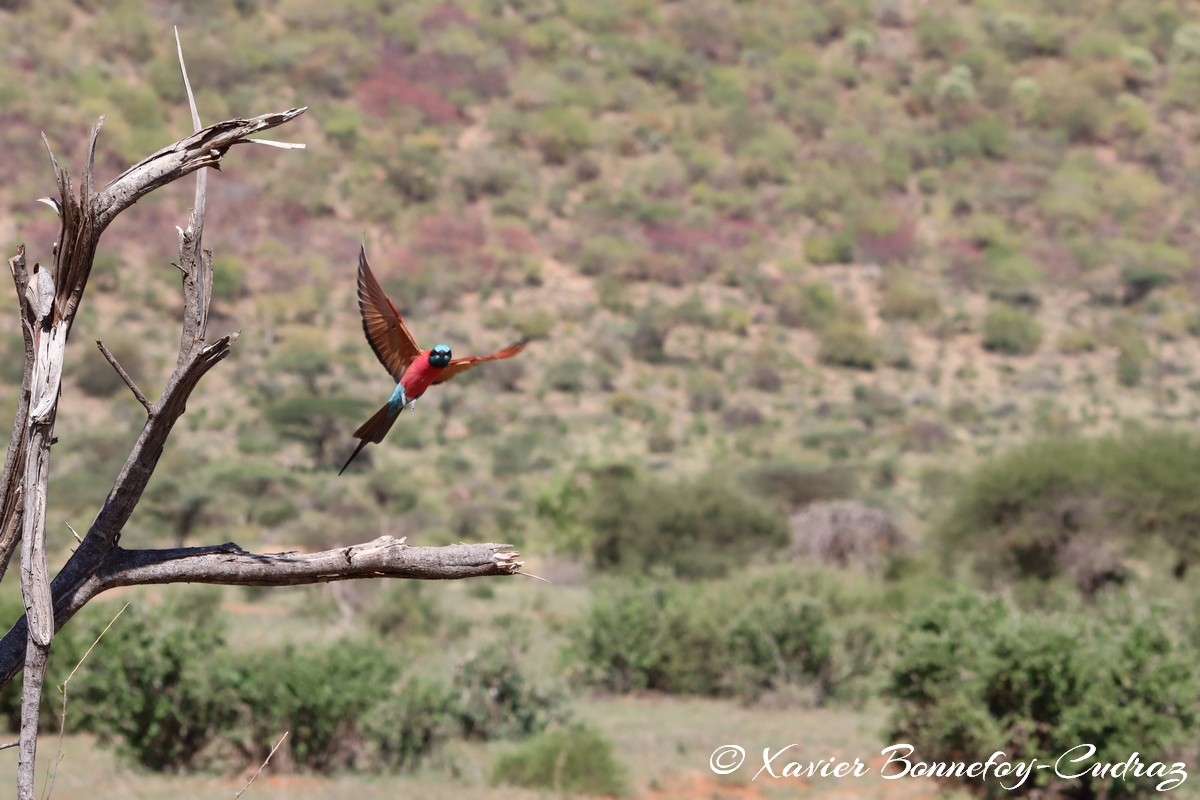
(665, 742)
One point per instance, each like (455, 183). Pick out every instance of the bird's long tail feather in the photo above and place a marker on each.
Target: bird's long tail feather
(373, 430)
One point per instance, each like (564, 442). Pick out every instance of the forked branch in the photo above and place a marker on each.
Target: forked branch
(48, 302)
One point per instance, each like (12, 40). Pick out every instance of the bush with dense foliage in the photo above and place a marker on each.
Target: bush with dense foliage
(577, 760)
(690, 528)
(158, 684)
(847, 343)
(1078, 506)
(973, 677)
(167, 689)
(1011, 331)
(742, 636)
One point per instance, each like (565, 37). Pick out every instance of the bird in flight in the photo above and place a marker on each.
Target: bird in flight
(413, 369)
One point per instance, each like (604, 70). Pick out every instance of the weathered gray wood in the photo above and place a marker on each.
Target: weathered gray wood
(14, 463)
(125, 376)
(45, 387)
(204, 148)
(49, 301)
(35, 672)
(229, 564)
(385, 557)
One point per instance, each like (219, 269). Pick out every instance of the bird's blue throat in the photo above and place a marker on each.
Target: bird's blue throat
(397, 401)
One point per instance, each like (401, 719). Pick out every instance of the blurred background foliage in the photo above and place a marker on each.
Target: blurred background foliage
(863, 369)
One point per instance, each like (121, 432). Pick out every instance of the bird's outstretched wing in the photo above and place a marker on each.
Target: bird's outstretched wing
(463, 364)
(386, 332)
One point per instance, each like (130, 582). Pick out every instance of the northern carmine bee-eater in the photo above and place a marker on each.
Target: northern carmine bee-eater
(413, 369)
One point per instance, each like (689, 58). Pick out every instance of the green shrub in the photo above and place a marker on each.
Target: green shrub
(872, 404)
(848, 344)
(604, 254)
(972, 678)
(566, 375)
(157, 684)
(808, 305)
(561, 134)
(1131, 359)
(649, 338)
(797, 485)
(405, 610)
(343, 124)
(1076, 340)
(955, 90)
(768, 157)
(165, 687)
(1141, 66)
(97, 378)
(740, 636)
(494, 698)
(318, 696)
(414, 168)
(1142, 280)
(837, 248)
(938, 35)
(70, 644)
(905, 298)
(692, 528)
(1011, 277)
(1073, 505)
(518, 452)
(1011, 331)
(574, 761)
(320, 423)
(487, 173)
(779, 643)
(409, 723)
(640, 636)
(229, 278)
(1185, 44)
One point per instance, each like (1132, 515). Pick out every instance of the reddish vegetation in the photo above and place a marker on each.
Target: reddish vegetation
(895, 245)
(461, 241)
(964, 261)
(517, 240)
(452, 237)
(682, 253)
(423, 81)
(1057, 262)
(445, 16)
(384, 94)
(687, 239)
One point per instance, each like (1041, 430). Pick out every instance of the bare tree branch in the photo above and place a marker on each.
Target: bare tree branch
(385, 557)
(194, 262)
(31, 696)
(52, 301)
(50, 344)
(261, 766)
(10, 478)
(141, 398)
(49, 300)
(229, 564)
(204, 148)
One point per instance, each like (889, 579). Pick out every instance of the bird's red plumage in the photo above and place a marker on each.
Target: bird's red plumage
(419, 376)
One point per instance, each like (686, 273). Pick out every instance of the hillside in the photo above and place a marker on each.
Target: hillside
(885, 236)
(935, 257)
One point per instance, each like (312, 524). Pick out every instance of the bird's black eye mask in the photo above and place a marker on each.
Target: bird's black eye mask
(439, 356)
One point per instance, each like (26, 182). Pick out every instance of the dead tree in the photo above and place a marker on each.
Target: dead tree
(49, 299)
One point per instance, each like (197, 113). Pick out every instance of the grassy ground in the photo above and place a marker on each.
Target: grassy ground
(665, 743)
